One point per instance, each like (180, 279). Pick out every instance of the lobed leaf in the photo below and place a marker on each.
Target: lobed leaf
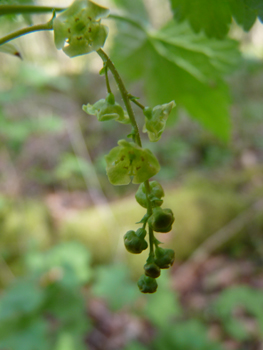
(182, 66)
(214, 17)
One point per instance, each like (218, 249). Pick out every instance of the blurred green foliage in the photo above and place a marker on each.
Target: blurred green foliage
(46, 309)
(47, 304)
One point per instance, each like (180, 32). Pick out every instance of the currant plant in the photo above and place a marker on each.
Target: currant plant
(77, 31)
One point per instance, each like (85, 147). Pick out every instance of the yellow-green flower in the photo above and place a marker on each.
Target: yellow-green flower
(78, 29)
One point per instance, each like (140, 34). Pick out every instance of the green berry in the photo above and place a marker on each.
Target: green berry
(152, 270)
(164, 258)
(161, 220)
(133, 243)
(155, 195)
(141, 233)
(147, 284)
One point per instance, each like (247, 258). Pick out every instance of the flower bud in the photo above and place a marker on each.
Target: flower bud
(133, 243)
(147, 284)
(155, 195)
(152, 270)
(161, 220)
(141, 232)
(164, 258)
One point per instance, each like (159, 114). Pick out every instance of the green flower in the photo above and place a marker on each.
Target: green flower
(107, 109)
(127, 161)
(78, 30)
(155, 120)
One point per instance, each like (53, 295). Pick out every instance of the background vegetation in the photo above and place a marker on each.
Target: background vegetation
(66, 280)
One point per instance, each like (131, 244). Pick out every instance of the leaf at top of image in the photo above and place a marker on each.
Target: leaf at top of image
(214, 17)
(181, 66)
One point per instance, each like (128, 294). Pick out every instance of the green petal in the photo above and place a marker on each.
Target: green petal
(107, 109)
(127, 161)
(60, 33)
(155, 120)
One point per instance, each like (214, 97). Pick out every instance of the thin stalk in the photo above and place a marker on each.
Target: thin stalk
(136, 102)
(107, 80)
(126, 99)
(125, 95)
(27, 30)
(21, 9)
(149, 212)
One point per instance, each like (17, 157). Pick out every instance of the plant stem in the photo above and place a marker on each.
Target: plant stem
(18, 9)
(23, 31)
(125, 95)
(137, 139)
(136, 102)
(107, 80)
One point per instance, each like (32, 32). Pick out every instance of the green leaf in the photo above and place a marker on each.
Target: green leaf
(185, 335)
(249, 299)
(10, 49)
(29, 336)
(242, 13)
(20, 300)
(203, 58)
(134, 8)
(179, 65)
(70, 255)
(129, 160)
(113, 284)
(214, 17)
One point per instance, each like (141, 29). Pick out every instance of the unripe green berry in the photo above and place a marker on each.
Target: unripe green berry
(110, 98)
(141, 232)
(152, 270)
(147, 284)
(164, 258)
(161, 220)
(133, 243)
(155, 195)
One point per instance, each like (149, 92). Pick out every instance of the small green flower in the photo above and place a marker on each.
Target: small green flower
(127, 161)
(107, 109)
(78, 30)
(155, 120)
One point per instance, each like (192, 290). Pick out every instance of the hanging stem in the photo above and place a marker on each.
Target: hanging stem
(134, 100)
(137, 139)
(23, 31)
(125, 95)
(107, 79)
(21, 9)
